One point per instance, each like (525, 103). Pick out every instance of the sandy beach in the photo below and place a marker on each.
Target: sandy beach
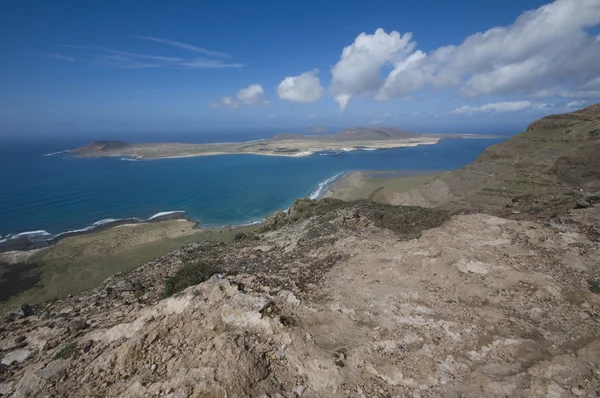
(363, 184)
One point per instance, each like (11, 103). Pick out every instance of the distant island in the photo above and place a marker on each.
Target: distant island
(287, 144)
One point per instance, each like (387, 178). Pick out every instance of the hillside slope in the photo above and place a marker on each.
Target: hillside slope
(541, 172)
(354, 299)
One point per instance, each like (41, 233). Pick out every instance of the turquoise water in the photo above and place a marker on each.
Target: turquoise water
(58, 194)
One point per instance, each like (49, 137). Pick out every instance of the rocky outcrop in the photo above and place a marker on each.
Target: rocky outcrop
(327, 303)
(540, 173)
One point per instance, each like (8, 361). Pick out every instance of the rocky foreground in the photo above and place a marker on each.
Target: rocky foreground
(338, 299)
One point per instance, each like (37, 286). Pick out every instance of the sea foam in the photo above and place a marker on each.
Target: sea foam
(323, 185)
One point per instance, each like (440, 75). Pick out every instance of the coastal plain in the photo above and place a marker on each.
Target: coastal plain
(365, 184)
(80, 262)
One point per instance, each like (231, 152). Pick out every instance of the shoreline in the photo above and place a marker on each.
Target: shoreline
(25, 241)
(331, 151)
(356, 185)
(39, 239)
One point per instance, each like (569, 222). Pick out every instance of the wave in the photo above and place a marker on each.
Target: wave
(31, 235)
(55, 153)
(324, 185)
(41, 236)
(130, 159)
(165, 213)
(251, 141)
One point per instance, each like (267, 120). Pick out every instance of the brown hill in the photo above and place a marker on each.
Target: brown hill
(541, 172)
(287, 136)
(370, 134)
(100, 146)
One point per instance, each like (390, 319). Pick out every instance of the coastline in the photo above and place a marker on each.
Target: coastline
(363, 184)
(289, 149)
(25, 241)
(40, 239)
(82, 259)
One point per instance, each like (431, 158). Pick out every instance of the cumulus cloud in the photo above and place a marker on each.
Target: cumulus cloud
(225, 102)
(303, 88)
(547, 52)
(358, 70)
(252, 95)
(498, 107)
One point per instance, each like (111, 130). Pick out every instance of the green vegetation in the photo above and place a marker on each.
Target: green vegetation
(66, 352)
(190, 275)
(83, 262)
(594, 286)
(405, 221)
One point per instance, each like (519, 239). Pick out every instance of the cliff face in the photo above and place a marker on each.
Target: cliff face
(539, 173)
(359, 299)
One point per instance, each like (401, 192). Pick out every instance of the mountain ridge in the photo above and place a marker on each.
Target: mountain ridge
(484, 295)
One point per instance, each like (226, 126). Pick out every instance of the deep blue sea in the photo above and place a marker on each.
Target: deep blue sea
(58, 194)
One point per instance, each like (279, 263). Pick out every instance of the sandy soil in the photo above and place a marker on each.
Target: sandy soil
(362, 185)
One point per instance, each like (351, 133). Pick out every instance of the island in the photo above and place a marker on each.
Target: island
(286, 144)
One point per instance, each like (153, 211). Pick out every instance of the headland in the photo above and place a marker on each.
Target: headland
(489, 287)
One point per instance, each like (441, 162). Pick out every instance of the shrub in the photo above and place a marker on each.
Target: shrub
(189, 275)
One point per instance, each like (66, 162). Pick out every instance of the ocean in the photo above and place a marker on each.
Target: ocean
(46, 193)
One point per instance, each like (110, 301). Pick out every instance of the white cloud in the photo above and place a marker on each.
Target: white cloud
(576, 104)
(303, 88)
(358, 70)
(133, 60)
(185, 46)
(226, 102)
(60, 57)
(252, 95)
(547, 52)
(498, 107)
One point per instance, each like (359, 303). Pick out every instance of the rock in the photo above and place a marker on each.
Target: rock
(298, 390)
(582, 204)
(154, 367)
(77, 325)
(25, 310)
(592, 197)
(17, 356)
(129, 286)
(52, 369)
(577, 391)
(30, 385)
(182, 392)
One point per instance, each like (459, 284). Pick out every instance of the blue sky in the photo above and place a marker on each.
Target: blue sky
(430, 65)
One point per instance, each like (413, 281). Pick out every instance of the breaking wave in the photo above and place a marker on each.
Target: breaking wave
(324, 185)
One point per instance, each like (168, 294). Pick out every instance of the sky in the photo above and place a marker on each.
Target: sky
(430, 66)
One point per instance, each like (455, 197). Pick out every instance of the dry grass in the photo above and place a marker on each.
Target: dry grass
(83, 262)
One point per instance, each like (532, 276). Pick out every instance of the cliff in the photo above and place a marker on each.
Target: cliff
(540, 173)
(355, 299)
